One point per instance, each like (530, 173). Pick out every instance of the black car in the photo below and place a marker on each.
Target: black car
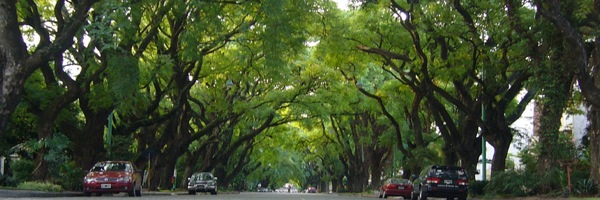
(202, 182)
(441, 181)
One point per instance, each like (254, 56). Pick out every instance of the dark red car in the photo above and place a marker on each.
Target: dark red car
(396, 187)
(113, 177)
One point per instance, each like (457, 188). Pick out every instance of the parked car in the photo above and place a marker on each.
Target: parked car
(396, 187)
(311, 190)
(441, 181)
(113, 177)
(202, 182)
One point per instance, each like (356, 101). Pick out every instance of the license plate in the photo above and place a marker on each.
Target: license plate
(447, 181)
(401, 187)
(105, 186)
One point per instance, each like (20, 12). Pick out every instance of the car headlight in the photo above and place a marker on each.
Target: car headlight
(124, 179)
(87, 180)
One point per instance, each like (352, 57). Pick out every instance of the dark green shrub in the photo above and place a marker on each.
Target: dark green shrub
(21, 170)
(71, 176)
(511, 184)
(584, 187)
(553, 181)
(7, 181)
(477, 188)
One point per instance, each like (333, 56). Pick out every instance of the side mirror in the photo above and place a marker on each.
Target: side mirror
(189, 179)
(215, 178)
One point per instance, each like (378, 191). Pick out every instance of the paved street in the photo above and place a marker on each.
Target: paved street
(22, 195)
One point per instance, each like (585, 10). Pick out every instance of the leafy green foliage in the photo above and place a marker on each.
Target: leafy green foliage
(512, 184)
(585, 187)
(70, 176)
(21, 170)
(57, 146)
(121, 147)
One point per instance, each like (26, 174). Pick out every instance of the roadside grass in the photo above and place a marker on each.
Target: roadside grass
(49, 187)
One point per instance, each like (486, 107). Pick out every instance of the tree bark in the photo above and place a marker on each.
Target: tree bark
(13, 52)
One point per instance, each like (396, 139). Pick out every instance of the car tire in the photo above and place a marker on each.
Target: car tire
(415, 196)
(462, 197)
(131, 193)
(385, 196)
(138, 192)
(380, 194)
(192, 192)
(214, 192)
(422, 195)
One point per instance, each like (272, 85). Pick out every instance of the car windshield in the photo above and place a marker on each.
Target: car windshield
(202, 177)
(111, 167)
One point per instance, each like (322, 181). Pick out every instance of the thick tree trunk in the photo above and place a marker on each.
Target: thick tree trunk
(501, 141)
(594, 134)
(548, 136)
(12, 72)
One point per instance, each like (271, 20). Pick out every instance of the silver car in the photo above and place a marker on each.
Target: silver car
(202, 182)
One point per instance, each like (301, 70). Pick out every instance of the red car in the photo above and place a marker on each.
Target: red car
(113, 177)
(396, 187)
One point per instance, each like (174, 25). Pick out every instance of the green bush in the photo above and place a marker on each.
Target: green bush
(71, 176)
(477, 188)
(584, 187)
(40, 186)
(553, 182)
(21, 170)
(511, 184)
(7, 181)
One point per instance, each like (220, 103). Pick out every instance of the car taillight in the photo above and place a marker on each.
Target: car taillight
(462, 182)
(434, 180)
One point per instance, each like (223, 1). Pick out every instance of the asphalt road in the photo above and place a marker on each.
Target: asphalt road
(22, 195)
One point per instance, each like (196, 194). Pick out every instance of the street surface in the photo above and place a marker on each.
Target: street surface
(200, 196)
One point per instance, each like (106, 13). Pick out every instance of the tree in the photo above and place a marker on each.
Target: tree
(19, 63)
(576, 23)
(442, 66)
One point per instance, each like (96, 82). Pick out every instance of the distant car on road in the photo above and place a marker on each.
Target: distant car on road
(113, 177)
(311, 190)
(202, 182)
(396, 187)
(441, 181)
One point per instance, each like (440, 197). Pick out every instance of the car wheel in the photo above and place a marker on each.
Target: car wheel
(380, 194)
(98, 194)
(415, 196)
(132, 192)
(422, 195)
(214, 192)
(192, 192)
(87, 194)
(450, 198)
(462, 197)
(385, 196)
(138, 192)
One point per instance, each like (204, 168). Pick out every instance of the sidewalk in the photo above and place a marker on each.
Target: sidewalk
(14, 193)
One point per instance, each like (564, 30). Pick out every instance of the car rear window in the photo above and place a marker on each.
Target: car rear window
(447, 171)
(399, 181)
